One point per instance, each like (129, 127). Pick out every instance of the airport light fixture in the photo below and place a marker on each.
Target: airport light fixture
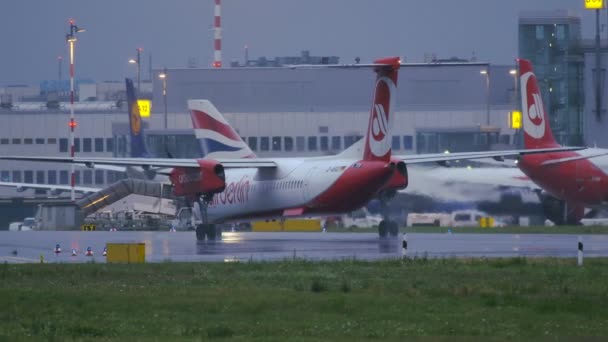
(486, 73)
(163, 76)
(71, 40)
(137, 61)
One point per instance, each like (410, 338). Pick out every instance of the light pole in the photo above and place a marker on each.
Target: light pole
(137, 61)
(486, 73)
(513, 72)
(71, 39)
(163, 77)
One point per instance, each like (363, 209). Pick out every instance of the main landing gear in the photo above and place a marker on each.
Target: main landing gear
(206, 229)
(387, 227)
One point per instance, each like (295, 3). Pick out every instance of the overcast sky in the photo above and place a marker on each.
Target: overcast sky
(175, 30)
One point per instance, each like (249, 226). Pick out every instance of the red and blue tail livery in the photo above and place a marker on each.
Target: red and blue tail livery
(216, 137)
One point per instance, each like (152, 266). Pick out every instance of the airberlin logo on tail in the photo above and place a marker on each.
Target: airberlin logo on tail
(379, 127)
(532, 105)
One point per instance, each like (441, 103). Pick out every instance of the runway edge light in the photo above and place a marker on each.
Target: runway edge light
(594, 4)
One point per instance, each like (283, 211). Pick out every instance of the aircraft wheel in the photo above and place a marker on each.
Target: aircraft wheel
(382, 228)
(200, 232)
(211, 233)
(393, 228)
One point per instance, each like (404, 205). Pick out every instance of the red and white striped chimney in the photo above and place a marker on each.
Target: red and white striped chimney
(217, 28)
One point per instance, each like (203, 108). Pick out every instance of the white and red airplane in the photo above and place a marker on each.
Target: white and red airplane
(578, 179)
(236, 188)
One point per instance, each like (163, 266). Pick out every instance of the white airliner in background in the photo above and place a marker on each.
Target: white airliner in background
(237, 188)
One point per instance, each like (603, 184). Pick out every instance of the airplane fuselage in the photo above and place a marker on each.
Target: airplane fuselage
(583, 181)
(299, 187)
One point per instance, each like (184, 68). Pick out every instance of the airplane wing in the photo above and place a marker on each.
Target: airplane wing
(25, 186)
(148, 163)
(444, 157)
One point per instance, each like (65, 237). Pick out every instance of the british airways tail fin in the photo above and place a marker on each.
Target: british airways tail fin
(138, 140)
(378, 136)
(537, 130)
(216, 137)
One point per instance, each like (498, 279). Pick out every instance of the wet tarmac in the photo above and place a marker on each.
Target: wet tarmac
(21, 247)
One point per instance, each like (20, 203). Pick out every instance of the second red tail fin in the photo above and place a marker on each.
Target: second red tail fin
(537, 131)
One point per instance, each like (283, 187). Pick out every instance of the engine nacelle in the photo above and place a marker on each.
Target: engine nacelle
(207, 179)
(399, 179)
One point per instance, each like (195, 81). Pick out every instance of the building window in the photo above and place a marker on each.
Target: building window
(5, 176)
(408, 142)
(76, 144)
(77, 177)
(300, 144)
(336, 143)
(349, 140)
(63, 177)
(87, 145)
(98, 144)
(28, 141)
(264, 143)
(253, 143)
(39, 141)
(16, 141)
(28, 176)
(324, 142)
(52, 177)
(87, 177)
(110, 144)
(276, 143)
(17, 176)
(540, 32)
(312, 143)
(323, 129)
(40, 179)
(63, 145)
(4, 141)
(288, 143)
(396, 143)
(99, 177)
(51, 141)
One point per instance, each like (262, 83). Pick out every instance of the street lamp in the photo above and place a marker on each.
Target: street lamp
(163, 77)
(71, 39)
(513, 72)
(486, 73)
(137, 61)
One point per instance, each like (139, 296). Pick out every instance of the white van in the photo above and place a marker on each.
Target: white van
(29, 223)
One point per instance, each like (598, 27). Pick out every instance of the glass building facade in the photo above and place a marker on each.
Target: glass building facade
(551, 40)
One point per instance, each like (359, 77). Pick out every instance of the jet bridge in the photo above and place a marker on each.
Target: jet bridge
(121, 189)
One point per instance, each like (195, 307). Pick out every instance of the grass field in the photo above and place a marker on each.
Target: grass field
(439, 299)
(497, 230)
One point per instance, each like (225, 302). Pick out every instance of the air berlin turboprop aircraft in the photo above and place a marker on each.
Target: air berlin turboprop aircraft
(237, 188)
(577, 179)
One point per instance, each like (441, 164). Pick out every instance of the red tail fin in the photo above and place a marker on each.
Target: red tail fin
(537, 131)
(378, 137)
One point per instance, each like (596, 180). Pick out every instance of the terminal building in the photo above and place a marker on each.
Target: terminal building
(280, 111)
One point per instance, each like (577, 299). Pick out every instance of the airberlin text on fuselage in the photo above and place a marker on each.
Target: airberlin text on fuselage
(235, 193)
